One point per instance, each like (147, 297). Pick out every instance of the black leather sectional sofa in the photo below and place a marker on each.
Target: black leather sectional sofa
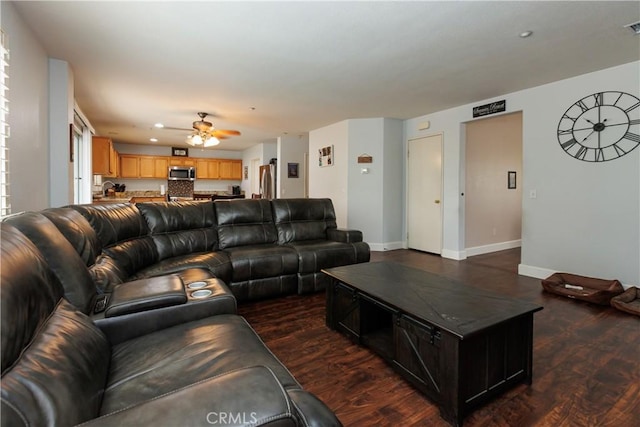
(126, 314)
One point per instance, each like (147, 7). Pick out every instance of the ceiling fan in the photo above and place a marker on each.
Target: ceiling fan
(205, 134)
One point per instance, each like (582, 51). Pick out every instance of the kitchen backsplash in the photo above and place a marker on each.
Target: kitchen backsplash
(180, 188)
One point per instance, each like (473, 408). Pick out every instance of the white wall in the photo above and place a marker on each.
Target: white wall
(291, 149)
(393, 185)
(368, 202)
(61, 103)
(28, 115)
(584, 219)
(331, 181)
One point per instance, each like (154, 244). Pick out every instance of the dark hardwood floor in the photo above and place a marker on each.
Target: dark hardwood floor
(586, 358)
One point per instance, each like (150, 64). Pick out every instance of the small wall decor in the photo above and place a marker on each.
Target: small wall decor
(292, 170)
(325, 156)
(365, 158)
(179, 152)
(246, 172)
(511, 180)
(492, 108)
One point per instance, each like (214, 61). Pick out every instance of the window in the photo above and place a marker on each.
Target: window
(5, 206)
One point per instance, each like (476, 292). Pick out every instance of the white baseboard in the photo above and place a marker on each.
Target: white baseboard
(537, 272)
(388, 246)
(494, 247)
(456, 255)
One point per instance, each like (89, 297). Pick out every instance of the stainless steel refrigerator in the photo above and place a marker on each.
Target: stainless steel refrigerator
(269, 180)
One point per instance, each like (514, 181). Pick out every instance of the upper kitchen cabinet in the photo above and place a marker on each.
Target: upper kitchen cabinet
(104, 157)
(182, 161)
(135, 166)
(207, 168)
(230, 169)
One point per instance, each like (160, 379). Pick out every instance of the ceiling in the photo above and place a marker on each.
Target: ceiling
(274, 68)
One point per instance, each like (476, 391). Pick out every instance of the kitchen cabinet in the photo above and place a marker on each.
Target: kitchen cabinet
(104, 158)
(207, 168)
(129, 166)
(143, 166)
(182, 161)
(230, 169)
(153, 167)
(134, 166)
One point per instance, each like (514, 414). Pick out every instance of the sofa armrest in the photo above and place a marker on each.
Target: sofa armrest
(145, 294)
(248, 396)
(127, 326)
(344, 236)
(312, 410)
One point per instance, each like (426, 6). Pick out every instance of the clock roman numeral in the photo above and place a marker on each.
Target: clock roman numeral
(619, 151)
(599, 98)
(582, 106)
(599, 155)
(617, 99)
(633, 107)
(632, 137)
(634, 122)
(569, 117)
(565, 131)
(570, 143)
(582, 152)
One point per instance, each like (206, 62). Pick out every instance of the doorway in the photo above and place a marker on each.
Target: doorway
(493, 184)
(424, 194)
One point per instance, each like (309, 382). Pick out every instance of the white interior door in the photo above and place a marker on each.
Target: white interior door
(424, 195)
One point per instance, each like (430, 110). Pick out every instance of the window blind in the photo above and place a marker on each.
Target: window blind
(5, 205)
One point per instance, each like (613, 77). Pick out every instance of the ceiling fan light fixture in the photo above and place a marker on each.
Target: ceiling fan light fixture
(211, 141)
(196, 139)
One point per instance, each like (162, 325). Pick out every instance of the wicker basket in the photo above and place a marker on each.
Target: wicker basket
(597, 291)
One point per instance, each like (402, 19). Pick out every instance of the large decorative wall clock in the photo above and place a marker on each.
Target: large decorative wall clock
(601, 127)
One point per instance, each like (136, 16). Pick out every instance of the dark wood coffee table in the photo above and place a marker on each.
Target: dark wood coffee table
(457, 344)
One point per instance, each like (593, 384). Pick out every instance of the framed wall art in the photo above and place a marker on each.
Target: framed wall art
(292, 170)
(179, 152)
(325, 156)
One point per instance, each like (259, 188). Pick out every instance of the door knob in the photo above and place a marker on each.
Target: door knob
(436, 201)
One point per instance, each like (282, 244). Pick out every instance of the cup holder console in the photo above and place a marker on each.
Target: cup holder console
(197, 285)
(201, 293)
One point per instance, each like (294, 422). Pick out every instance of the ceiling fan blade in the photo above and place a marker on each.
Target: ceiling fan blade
(172, 128)
(227, 132)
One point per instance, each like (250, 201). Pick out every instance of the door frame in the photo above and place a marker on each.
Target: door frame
(442, 201)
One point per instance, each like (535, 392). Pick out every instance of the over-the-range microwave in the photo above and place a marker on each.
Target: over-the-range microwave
(182, 173)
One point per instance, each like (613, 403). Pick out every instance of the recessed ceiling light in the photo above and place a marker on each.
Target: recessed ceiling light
(526, 34)
(252, 108)
(159, 125)
(153, 139)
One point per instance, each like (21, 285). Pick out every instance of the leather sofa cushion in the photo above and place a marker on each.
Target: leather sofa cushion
(217, 264)
(114, 223)
(61, 257)
(303, 219)
(244, 222)
(316, 255)
(152, 365)
(78, 232)
(179, 229)
(260, 261)
(209, 402)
